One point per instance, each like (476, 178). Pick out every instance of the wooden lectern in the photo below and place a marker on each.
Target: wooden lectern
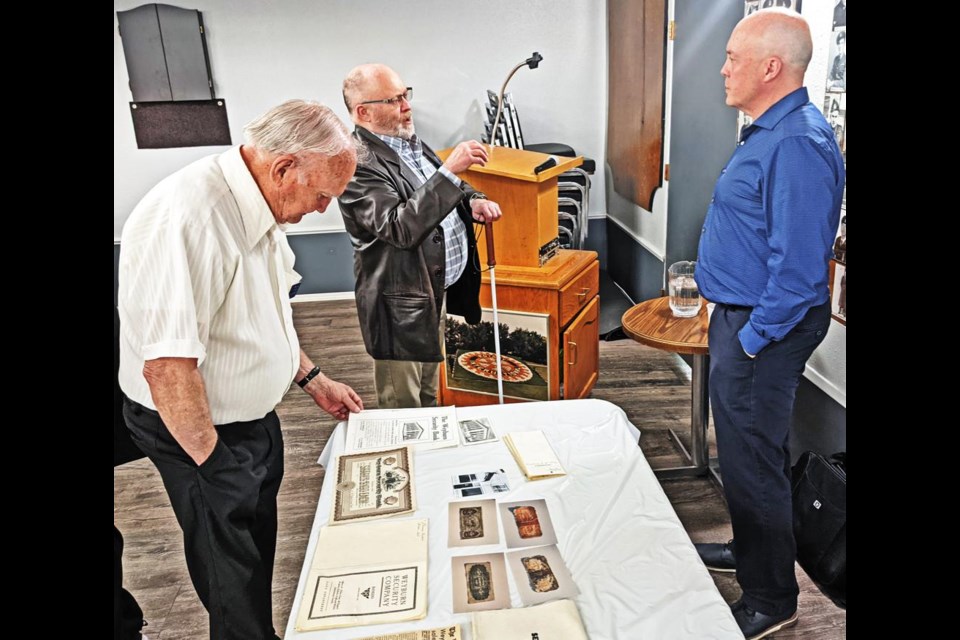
(536, 278)
(526, 236)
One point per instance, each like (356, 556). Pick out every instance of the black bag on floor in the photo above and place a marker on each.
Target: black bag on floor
(820, 521)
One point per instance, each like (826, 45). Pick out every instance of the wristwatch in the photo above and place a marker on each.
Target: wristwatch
(478, 195)
(307, 378)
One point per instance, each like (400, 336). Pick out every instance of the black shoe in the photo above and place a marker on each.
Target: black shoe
(717, 557)
(756, 625)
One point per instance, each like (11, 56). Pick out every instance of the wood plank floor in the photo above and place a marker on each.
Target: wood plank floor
(652, 386)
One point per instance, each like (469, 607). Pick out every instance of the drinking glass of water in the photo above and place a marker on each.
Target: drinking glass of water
(684, 294)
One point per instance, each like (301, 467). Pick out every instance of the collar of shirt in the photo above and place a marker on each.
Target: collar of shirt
(257, 218)
(412, 147)
(770, 118)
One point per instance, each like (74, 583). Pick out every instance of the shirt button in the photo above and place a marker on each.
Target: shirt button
(438, 272)
(723, 171)
(436, 238)
(711, 200)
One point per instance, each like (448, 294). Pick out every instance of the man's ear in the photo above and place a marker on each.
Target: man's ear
(280, 166)
(772, 68)
(362, 114)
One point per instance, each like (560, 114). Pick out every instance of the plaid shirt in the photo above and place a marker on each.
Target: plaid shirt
(454, 231)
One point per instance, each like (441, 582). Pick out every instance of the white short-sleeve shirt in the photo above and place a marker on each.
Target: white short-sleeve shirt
(205, 272)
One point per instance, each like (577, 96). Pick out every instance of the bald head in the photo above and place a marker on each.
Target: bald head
(378, 100)
(781, 33)
(363, 83)
(767, 55)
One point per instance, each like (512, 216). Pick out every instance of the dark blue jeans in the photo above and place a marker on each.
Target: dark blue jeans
(752, 402)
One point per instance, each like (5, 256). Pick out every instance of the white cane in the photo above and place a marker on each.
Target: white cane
(492, 262)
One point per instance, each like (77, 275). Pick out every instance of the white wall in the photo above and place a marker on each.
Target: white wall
(262, 53)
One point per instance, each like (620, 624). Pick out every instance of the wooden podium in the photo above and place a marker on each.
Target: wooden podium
(534, 277)
(526, 236)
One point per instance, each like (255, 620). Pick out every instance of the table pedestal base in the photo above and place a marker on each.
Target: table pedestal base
(700, 461)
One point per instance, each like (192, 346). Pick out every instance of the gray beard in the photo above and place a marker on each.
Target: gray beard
(406, 132)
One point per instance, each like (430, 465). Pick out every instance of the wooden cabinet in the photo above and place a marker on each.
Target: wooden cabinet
(534, 276)
(566, 290)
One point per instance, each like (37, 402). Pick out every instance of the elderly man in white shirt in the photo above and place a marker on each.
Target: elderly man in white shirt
(208, 347)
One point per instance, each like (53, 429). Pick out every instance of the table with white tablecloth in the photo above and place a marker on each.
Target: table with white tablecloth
(638, 573)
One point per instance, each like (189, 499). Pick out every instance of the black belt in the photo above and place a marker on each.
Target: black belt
(736, 307)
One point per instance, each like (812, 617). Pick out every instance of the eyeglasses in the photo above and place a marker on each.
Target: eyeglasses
(406, 95)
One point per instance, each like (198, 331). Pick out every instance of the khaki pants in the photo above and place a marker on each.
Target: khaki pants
(402, 384)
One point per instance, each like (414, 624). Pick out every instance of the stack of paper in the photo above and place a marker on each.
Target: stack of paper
(559, 619)
(366, 574)
(534, 454)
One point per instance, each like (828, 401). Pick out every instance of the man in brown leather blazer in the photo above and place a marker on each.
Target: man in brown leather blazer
(410, 220)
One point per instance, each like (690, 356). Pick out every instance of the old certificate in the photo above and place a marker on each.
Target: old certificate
(373, 485)
(368, 573)
(428, 427)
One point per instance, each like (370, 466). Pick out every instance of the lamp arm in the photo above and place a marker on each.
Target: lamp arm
(496, 121)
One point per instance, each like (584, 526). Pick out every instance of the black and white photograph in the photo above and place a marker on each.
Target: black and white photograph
(835, 111)
(751, 7)
(480, 483)
(786, 4)
(840, 14)
(477, 431)
(837, 71)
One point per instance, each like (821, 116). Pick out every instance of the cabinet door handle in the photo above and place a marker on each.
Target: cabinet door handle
(583, 294)
(572, 350)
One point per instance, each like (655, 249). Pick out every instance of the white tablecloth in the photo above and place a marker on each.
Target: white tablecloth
(638, 573)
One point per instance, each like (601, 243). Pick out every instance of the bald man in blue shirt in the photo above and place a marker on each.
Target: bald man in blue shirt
(763, 258)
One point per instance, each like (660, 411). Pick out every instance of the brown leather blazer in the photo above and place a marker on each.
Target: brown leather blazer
(399, 255)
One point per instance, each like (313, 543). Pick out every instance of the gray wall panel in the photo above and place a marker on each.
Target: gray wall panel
(597, 239)
(704, 129)
(635, 269)
(325, 260)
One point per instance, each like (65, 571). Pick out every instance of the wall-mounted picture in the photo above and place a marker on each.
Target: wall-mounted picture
(471, 362)
(787, 4)
(837, 73)
(751, 7)
(838, 291)
(835, 111)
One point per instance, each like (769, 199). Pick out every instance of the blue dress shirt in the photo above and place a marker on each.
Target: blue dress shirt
(769, 230)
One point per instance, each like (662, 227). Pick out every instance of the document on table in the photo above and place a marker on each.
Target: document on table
(444, 633)
(366, 573)
(559, 619)
(373, 484)
(427, 427)
(534, 454)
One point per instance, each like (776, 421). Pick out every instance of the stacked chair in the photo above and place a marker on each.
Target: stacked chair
(573, 186)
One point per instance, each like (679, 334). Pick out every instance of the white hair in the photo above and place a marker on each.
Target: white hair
(301, 126)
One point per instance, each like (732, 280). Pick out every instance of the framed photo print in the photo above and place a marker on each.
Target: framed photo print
(471, 361)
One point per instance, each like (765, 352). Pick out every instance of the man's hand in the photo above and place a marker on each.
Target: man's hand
(465, 155)
(485, 210)
(334, 397)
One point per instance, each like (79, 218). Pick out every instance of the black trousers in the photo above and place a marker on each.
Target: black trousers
(127, 615)
(752, 403)
(227, 509)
